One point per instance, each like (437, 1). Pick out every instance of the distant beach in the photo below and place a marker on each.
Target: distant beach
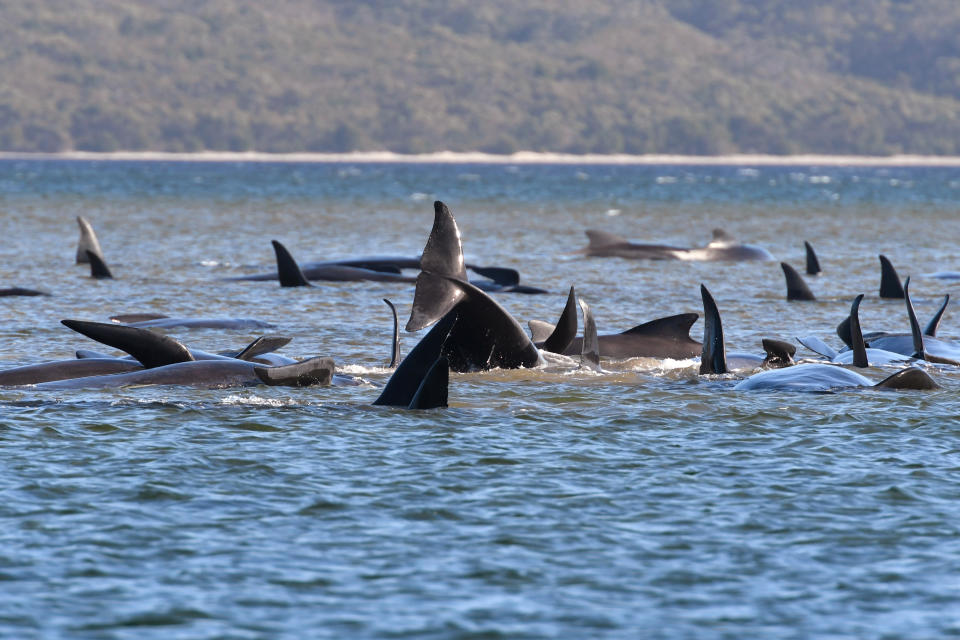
(520, 157)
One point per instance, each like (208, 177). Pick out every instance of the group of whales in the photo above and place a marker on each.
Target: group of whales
(471, 331)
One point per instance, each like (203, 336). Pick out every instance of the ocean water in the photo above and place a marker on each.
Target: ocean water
(641, 501)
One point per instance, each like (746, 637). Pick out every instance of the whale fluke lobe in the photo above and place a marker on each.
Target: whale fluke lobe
(934, 324)
(890, 286)
(566, 328)
(149, 348)
(288, 271)
(441, 263)
(856, 335)
(797, 289)
(87, 242)
(713, 357)
(433, 389)
(813, 265)
(590, 351)
(395, 351)
(913, 378)
(308, 373)
(98, 268)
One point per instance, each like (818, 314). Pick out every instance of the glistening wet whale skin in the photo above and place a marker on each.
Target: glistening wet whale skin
(722, 247)
(482, 334)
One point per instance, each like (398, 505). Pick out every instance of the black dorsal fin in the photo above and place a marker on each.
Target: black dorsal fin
(713, 358)
(603, 238)
(676, 327)
(307, 373)
(590, 351)
(433, 389)
(797, 289)
(918, 350)
(288, 271)
(435, 295)
(779, 352)
(395, 351)
(406, 379)
(813, 265)
(566, 328)
(913, 378)
(856, 335)
(149, 348)
(890, 286)
(87, 242)
(843, 332)
(98, 268)
(262, 345)
(934, 324)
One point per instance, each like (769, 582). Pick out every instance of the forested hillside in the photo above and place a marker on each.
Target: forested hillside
(603, 76)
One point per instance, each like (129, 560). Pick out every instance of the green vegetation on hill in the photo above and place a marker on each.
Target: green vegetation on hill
(605, 76)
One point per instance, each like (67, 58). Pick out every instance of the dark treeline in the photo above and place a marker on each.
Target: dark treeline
(609, 76)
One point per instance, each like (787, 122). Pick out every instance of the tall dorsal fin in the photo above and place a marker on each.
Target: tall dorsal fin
(934, 324)
(262, 345)
(288, 271)
(676, 327)
(813, 265)
(590, 351)
(433, 390)
(890, 286)
(395, 351)
(713, 358)
(98, 268)
(603, 238)
(856, 335)
(435, 295)
(87, 242)
(566, 328)
(797, 289)
(149, 348)
(918, 350)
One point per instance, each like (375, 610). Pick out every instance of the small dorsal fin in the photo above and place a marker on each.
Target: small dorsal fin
(918, 350)
(98, 268)
(720, 236)
(856, 335)
(909, 378)
(813, 265)
(676, 327)
(779, 352)
(566, 328)
(934, 324)
(433, 390)
(149, 348)
(590, 352)
(395, 351)
(603, 238)
(890, 286)
(288, 271)
(797, 289)
(87, 242)
(713, 358)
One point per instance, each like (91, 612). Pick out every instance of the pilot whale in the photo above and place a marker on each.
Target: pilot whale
(723, 247)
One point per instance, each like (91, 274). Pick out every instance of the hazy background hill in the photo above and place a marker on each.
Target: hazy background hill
(606, 76)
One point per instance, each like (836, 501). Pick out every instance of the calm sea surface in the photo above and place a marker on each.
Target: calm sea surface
(642, 502)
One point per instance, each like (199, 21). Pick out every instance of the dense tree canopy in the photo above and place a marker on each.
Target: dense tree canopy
(605, 76)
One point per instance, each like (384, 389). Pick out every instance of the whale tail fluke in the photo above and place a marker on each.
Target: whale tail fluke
(150, 349)
(433, 390)
(262, 345)
(413, 369)
(797, 289)
(441, 263)
(890, 286)
(288, 271)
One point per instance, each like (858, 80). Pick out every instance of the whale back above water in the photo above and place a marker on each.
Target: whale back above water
(722, 247)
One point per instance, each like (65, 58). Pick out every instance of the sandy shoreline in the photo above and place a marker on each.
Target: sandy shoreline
(521, 157)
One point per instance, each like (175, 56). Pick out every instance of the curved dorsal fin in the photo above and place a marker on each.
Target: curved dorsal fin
(98, 268)
(590, 351)
(813, 265)
(856, 335)
(934, 324)
(918, 350)
(797, 289)
(149, 348)
(890, 286)
(395, 352)
(288, 271)
(87, 242)
(566, 328)
(676, 327)
(713, 359)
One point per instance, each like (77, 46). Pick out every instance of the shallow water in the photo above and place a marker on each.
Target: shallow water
(644, 501)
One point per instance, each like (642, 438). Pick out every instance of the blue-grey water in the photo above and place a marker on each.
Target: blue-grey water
(643, 501)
